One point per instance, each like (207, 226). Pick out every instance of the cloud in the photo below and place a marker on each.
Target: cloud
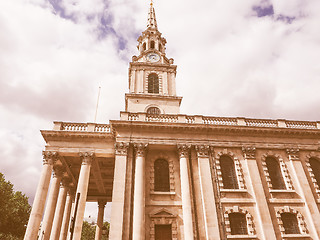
(247, 58)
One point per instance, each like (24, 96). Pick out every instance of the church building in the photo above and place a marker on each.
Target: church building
(172, 176)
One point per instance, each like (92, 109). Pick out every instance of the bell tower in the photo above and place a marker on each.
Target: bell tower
(152, 86)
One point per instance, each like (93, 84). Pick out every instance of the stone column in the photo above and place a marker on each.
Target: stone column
(58, 215)
(305, 191)
(264, 219)
(185, 192)
(139, 194)
(81, 193)
(51, 204)
(118, 193)
(207, 194)
(66, 216)
(40, 198)
(101, 205)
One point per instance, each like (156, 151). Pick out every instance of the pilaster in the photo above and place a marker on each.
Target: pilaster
(207, 194)
(117, 210)
(183, 150)
(265, 221)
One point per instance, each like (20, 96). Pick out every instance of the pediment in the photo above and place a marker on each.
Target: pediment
(162, 213)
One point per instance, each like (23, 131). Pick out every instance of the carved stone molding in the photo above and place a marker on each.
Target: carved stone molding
(121, 148)
(163, 216)
(283, 168)
(49, 157)
(249, 218)
(183, 150)
(293, 153)
(300, 219)
(140, 149)
(249, 152)
(311, 173)
(203, 150)
(86, 157)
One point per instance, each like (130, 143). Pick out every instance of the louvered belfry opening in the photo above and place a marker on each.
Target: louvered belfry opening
(229, 176)
(290, 223)
(238, 224)
(275, 174)
(153, 83)
(153, 111)
(161, 176)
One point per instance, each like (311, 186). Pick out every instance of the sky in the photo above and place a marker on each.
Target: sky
(248, 58)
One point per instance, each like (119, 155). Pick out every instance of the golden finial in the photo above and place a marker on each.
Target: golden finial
(151, 4)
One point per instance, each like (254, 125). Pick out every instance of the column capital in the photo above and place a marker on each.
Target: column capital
(249, 152)
(293, 153)
(102, 203)
(65, 182)
(140, 149)
(57, 171)
(183, 150)
(49, 157)
(203, 150)
(86, 157)
(121, 148)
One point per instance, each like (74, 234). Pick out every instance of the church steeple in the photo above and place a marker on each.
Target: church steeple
(152, 74)
(152, 21)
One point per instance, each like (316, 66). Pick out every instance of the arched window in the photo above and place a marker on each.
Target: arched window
(160, 47)
(290, 223)
(161, 176)
(315, 166)
(238, 224)
(152, 45)
(275, 174)
(144, 46)
(153, 111)
(153, 83)
(229, 177)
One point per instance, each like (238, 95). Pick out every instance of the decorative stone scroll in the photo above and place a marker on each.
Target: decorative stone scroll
(283, 168)
(249, 152)
(249, 218)
(121, 148)
(237, 166)
(293, 153)
(163, 216)
(49, 157)
(86, 157)
(203, 150)
(301, 222)
(314, 181)
(140, 149)
(183, 150)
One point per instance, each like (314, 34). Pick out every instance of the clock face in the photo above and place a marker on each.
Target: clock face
(153, 57)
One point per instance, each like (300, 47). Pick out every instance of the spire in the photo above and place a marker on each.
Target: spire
(152, 22)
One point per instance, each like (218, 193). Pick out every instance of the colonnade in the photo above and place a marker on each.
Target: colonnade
(61, 210)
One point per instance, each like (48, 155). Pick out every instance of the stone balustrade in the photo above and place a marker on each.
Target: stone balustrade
(180, 118)
(82, 127)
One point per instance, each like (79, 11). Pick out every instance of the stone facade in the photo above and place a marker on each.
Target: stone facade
(173, 176)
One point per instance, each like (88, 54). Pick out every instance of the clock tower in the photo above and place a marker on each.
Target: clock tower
(152, 87)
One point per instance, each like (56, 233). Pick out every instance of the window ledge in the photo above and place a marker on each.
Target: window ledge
(281, 191)
(294, 236)
(241, 237)
(163, 193)
(235, 191)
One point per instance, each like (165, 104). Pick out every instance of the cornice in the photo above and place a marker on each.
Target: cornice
(147, 65)
(216, 129)
(152, 96)
(50, 135)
